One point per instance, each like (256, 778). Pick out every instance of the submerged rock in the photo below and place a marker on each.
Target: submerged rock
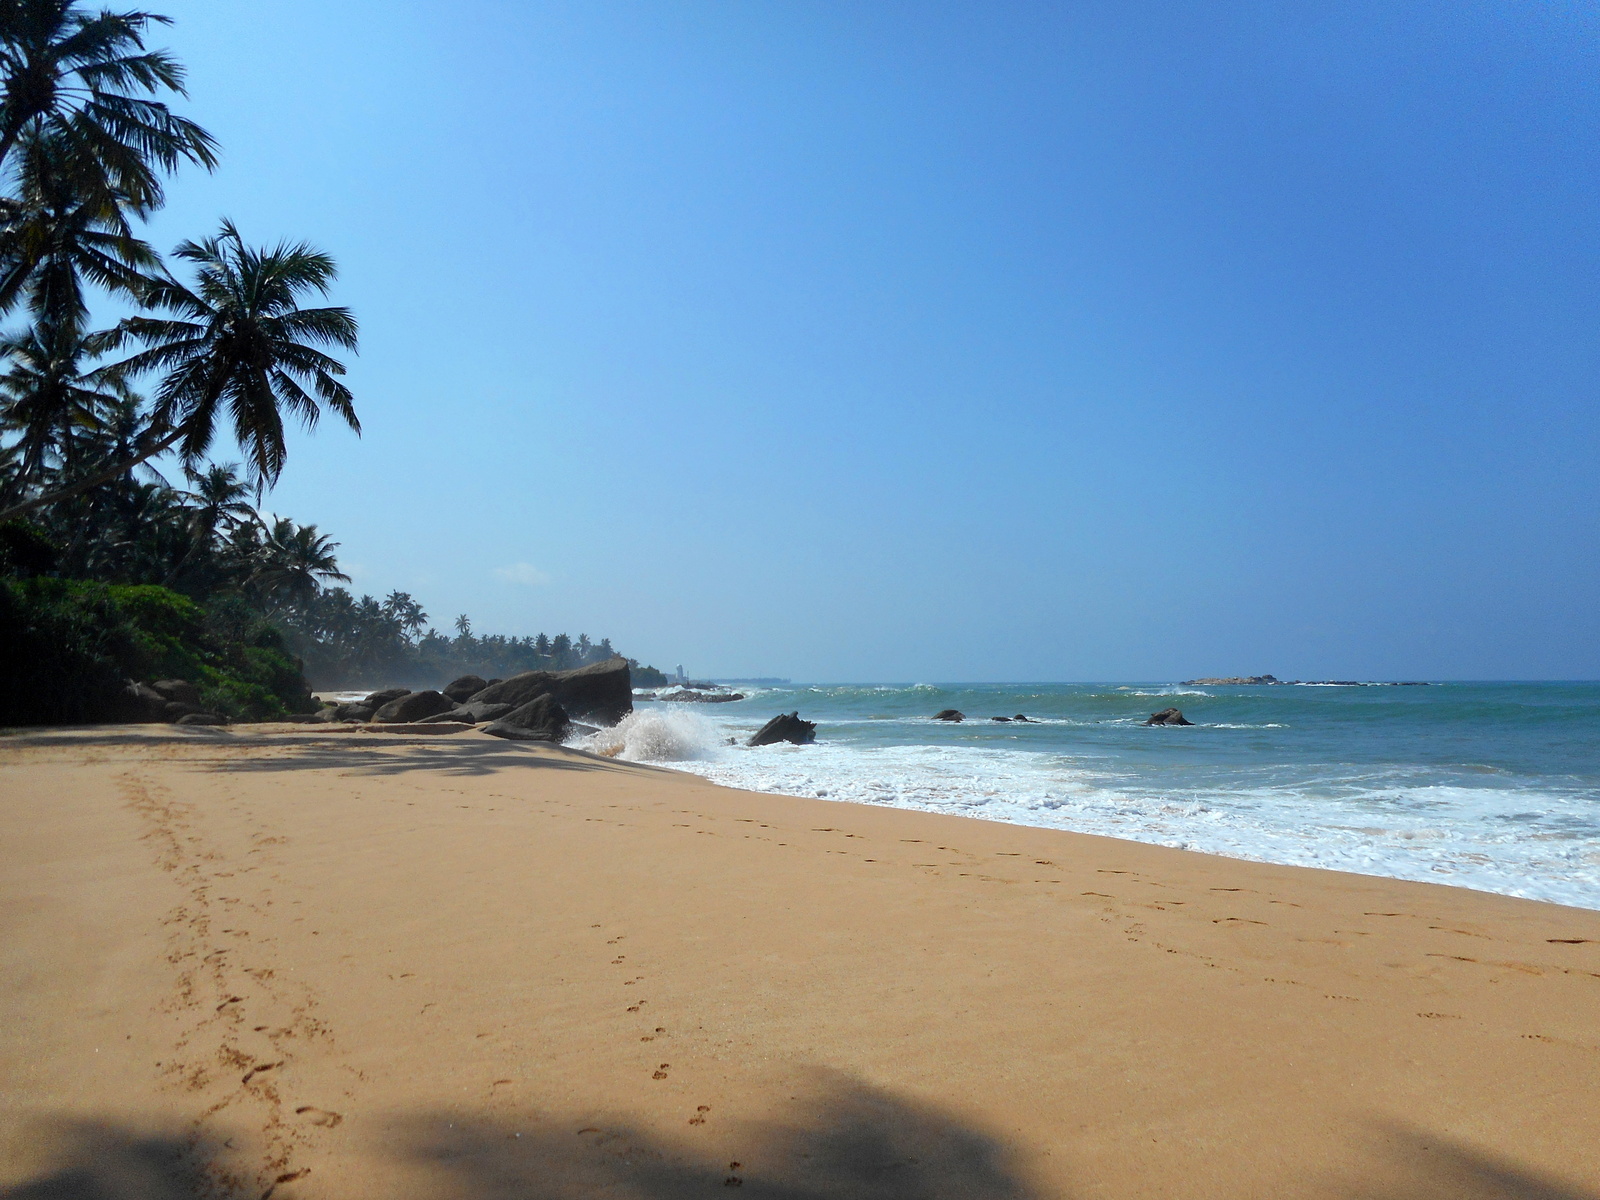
(950, 714)
(786, 727)
(1168, 716)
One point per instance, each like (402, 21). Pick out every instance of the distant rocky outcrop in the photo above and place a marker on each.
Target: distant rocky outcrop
(689, 696)
(950, 714)
(413, 706)
(464, 688)
(542, 719)
(1168, 716)
(786, 727)
(601, 690)
(1232, 681)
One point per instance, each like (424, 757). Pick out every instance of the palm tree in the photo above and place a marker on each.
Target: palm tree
(49, 395)
(239, 343)
(220, 504)
(64, 230)
(294, 559)
(400, 607)
(88, 78)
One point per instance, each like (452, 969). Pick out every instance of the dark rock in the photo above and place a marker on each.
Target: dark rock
(1168, 716)
(1007, 719)
(141, 704)
(786, 727)
(602, 690)
(950, 714)
(173, 709)
(541, 719)
(1023, 719)
(483, 710)
(458, 715)
(354, 711)
(465, 687)
(412, 707)
(378, 699)
(180, 690)
(693, 697)
(202, 718)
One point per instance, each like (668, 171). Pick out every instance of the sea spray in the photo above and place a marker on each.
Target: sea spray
(657, 735)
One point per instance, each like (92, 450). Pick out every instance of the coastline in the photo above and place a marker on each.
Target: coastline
(450, 966)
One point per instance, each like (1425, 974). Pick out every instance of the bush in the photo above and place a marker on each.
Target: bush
(67, 649)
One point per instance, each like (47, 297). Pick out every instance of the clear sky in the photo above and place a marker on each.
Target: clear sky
(948, 341)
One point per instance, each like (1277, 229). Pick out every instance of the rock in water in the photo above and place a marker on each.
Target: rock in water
(950, 714)
(786, 727)
(1023, 719)
(378, 699)
(1168, 716)
(464, 688)
(412, 707)
(601, 690)
(539, 720)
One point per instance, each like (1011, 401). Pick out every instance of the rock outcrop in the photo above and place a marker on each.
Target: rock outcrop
(378, 699)
(413, 706)
(692, 697)
(950, 714)
(603, 691)
(464, 688)
(786, 727)
(1168, 716)
(179, 691)
(542, 719)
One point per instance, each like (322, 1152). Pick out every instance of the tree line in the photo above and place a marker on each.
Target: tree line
(106, 434)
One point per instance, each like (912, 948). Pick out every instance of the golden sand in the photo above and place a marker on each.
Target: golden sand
(347, 965)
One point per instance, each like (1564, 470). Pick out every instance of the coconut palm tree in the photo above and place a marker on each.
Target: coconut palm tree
(219, 504)
(87, 77)
(240, 345)
(294, 560)
(64, 232)
(49, 397)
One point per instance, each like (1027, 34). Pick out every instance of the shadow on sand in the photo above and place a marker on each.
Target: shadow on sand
(853, 1142)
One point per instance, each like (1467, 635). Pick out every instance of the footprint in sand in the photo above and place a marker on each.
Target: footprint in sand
(661, 1072)
(700, 1112)
(319, 1116)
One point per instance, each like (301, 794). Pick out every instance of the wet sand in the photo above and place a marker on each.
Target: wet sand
(346, 965)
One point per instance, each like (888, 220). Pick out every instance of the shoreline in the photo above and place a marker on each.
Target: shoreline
(379, 959)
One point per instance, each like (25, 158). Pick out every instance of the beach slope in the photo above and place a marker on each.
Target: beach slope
(345, 964)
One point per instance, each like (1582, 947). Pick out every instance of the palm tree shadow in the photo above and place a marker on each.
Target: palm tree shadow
(1419, 1165)
(453, 755)
(101, 1161)
(862, 1143)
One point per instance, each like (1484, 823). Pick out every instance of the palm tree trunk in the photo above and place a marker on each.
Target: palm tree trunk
(102, 476)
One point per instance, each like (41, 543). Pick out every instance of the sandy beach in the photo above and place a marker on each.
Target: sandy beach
(351, 964)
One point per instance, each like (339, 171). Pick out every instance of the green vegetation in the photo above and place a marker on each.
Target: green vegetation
(109, 569)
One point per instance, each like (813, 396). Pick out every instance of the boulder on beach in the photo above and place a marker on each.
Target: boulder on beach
(354, 711)
(1168, 716)
(602, 690)
(542, 719)
(950, 714)
(413, 706)
(378, 699)
(786, 727)
(179, 690)
(202, 718)
(464, 688)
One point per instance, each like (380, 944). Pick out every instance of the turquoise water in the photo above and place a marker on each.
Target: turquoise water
(1487, 785)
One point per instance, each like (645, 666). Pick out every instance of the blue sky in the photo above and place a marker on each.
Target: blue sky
(947, 341)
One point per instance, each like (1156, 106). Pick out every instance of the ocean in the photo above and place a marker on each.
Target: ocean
(1494, 786)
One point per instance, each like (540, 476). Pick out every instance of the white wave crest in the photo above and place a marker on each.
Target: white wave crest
(654, 735)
